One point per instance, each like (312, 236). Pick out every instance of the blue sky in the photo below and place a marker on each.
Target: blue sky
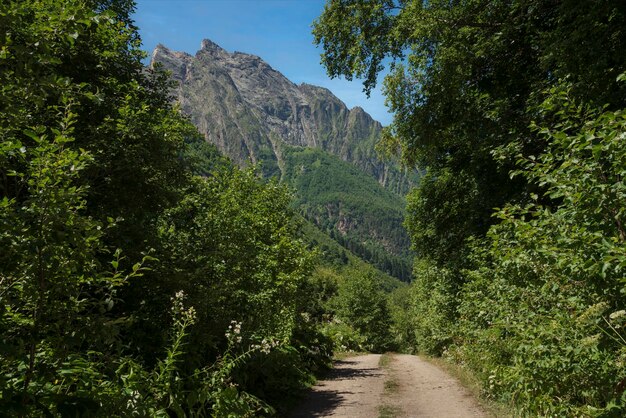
(279, 31)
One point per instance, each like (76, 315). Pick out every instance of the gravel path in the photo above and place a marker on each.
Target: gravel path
(408, 387)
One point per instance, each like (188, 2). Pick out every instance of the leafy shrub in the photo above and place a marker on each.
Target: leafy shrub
(402, 324)
(432, 307)
(537, 319)
(362, 305)
(344, 337)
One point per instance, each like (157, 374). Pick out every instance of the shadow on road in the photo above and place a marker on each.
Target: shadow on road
(343, 370)
(320, 402)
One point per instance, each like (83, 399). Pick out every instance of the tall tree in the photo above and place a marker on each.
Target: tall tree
(89, 156)
(466, 78)
(88, 53)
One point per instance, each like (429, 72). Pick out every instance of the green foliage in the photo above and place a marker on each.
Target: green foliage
(530, 299)
(465, 79)
(51, 283)
(334, 294)
(433, 306)
(203, 158)
(88, 54)
(335, 260)
(335, 291)
(540, 318)
(59, 283)
(362, 305)
(401, 328)
(221, 218)
(424, 313)
(344, 337)
(440, 213)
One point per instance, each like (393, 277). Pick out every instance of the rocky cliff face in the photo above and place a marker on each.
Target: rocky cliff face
(251, 111)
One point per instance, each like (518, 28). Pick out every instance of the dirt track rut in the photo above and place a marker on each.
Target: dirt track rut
(407, 387)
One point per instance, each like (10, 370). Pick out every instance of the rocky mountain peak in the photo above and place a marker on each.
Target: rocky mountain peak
(173, 61)
(210, 46)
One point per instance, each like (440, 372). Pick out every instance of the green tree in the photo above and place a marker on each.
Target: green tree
(232, 244)
(541, 316)
(88, 53)
(465, 79)
(432, 308)
(71, 87)
(362, 304)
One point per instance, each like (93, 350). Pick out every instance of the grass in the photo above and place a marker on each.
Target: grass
(384, 360)
(391, 386)
(342, 355)
(388, 411)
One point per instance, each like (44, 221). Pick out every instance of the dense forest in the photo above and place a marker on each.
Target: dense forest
(351, 207)
(516, 110)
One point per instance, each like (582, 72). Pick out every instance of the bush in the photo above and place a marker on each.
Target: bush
(539, 318)
(344, 337)
(362, 305)
(432, 308)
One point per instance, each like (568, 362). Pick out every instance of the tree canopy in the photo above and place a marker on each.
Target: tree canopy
(466, 79)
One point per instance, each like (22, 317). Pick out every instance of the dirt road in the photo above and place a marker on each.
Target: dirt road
(406, 386)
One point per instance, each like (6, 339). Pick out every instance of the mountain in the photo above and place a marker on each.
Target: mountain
(248, 110)
(306, 137)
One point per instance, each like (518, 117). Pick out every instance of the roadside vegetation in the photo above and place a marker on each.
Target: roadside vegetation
(141, 272)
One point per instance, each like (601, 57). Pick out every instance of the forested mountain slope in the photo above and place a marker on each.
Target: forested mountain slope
(350, 207)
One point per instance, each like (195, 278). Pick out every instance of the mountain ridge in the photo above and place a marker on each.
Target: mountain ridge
(268, 110)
